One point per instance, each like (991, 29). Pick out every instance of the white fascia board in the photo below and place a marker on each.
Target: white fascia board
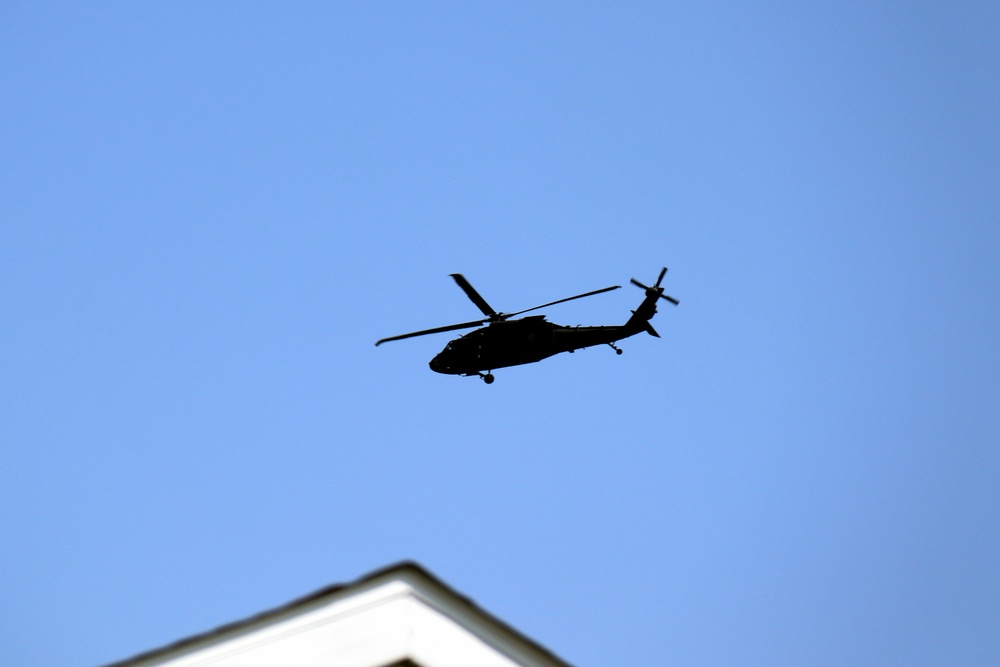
(374, 624)
(477, 627)
(366, 629)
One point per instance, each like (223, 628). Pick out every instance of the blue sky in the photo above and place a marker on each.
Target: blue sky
(211, 211)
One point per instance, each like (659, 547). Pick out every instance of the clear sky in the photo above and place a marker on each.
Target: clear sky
(211, 211)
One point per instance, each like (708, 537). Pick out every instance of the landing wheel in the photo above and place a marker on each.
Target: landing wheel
(618, 350)
(615, 348)
(488, 378)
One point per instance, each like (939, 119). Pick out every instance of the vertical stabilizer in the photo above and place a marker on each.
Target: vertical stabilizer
(644, 313)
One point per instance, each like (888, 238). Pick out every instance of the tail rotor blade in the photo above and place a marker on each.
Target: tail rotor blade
(656, 289)
(660, 279)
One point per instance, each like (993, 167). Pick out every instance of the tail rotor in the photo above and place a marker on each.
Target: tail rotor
(656, 290)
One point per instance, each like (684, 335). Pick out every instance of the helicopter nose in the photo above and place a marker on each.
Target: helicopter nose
(436, 365)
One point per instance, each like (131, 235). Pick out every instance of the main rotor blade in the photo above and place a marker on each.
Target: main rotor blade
(552, 303)
(471, 292)
(451, 327)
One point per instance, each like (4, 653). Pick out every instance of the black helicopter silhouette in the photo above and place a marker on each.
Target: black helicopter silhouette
(504, 342)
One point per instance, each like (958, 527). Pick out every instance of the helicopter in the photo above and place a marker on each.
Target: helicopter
(504, 342)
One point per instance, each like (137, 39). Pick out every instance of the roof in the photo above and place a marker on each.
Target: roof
(398, 616)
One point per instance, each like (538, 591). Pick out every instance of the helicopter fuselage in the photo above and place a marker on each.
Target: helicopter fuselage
(517, 342)
(504, 342)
